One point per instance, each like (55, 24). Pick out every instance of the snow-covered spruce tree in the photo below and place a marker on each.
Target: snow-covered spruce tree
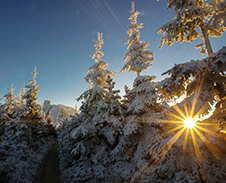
(204, 78)
(23, 143)
(194, 19)
(145, 96)
(31, 106)
(202, 81)
(138, 57)
(94, 132)
(197, 79)
(139, 133)
(96, 79)
(19, 109)
(178, 154)
(143, 133)
(188, 154)
(8, 107)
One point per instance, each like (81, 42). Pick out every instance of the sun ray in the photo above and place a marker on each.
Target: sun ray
(177, 108)
(186, 138)
(165, 121)
(209, 132)
(186, 110)
(168, 121)
(157, 158)
(197, 151)
(151, 120)
(195, 99)
(175, 129)
(196, 95)
(205, 124)
(213, 149)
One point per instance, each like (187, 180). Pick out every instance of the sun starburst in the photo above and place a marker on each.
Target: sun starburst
(186, 119)
(189, 122)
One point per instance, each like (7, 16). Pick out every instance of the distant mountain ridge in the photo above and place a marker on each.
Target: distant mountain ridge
(57, 112)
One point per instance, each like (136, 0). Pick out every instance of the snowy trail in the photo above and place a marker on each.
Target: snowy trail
(49, 172)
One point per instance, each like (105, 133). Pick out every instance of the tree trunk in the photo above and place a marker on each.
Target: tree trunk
(206, 40)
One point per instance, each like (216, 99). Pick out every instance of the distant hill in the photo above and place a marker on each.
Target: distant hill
(58, 112)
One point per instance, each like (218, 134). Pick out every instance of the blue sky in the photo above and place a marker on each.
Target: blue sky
(56, 37)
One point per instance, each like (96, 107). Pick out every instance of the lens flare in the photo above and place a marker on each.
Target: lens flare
(190, 129)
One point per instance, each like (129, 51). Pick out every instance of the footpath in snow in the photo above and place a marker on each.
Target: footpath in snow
(49, 170)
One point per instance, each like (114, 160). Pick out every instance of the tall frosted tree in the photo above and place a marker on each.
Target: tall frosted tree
(138, 57)
(139, 102)
(96, 77)
(19, 109)
(8, 106)
(95, 131)
(202, 81)
(31, 106)
(195, 19)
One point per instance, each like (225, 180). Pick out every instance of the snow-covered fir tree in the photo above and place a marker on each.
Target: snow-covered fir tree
(23, 143)
(138, 57)
(19, 109)
(96, 78)
(7, 109)
(95, 131)
(143, 133)
(194, 19)
(203, 83)
(186, 153)
(31, 106)
(141, 109)
(204, 19)
(205, 77)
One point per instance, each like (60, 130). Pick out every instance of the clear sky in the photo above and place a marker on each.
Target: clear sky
(56, 37)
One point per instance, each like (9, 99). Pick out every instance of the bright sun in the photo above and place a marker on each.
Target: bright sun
(189, 122)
